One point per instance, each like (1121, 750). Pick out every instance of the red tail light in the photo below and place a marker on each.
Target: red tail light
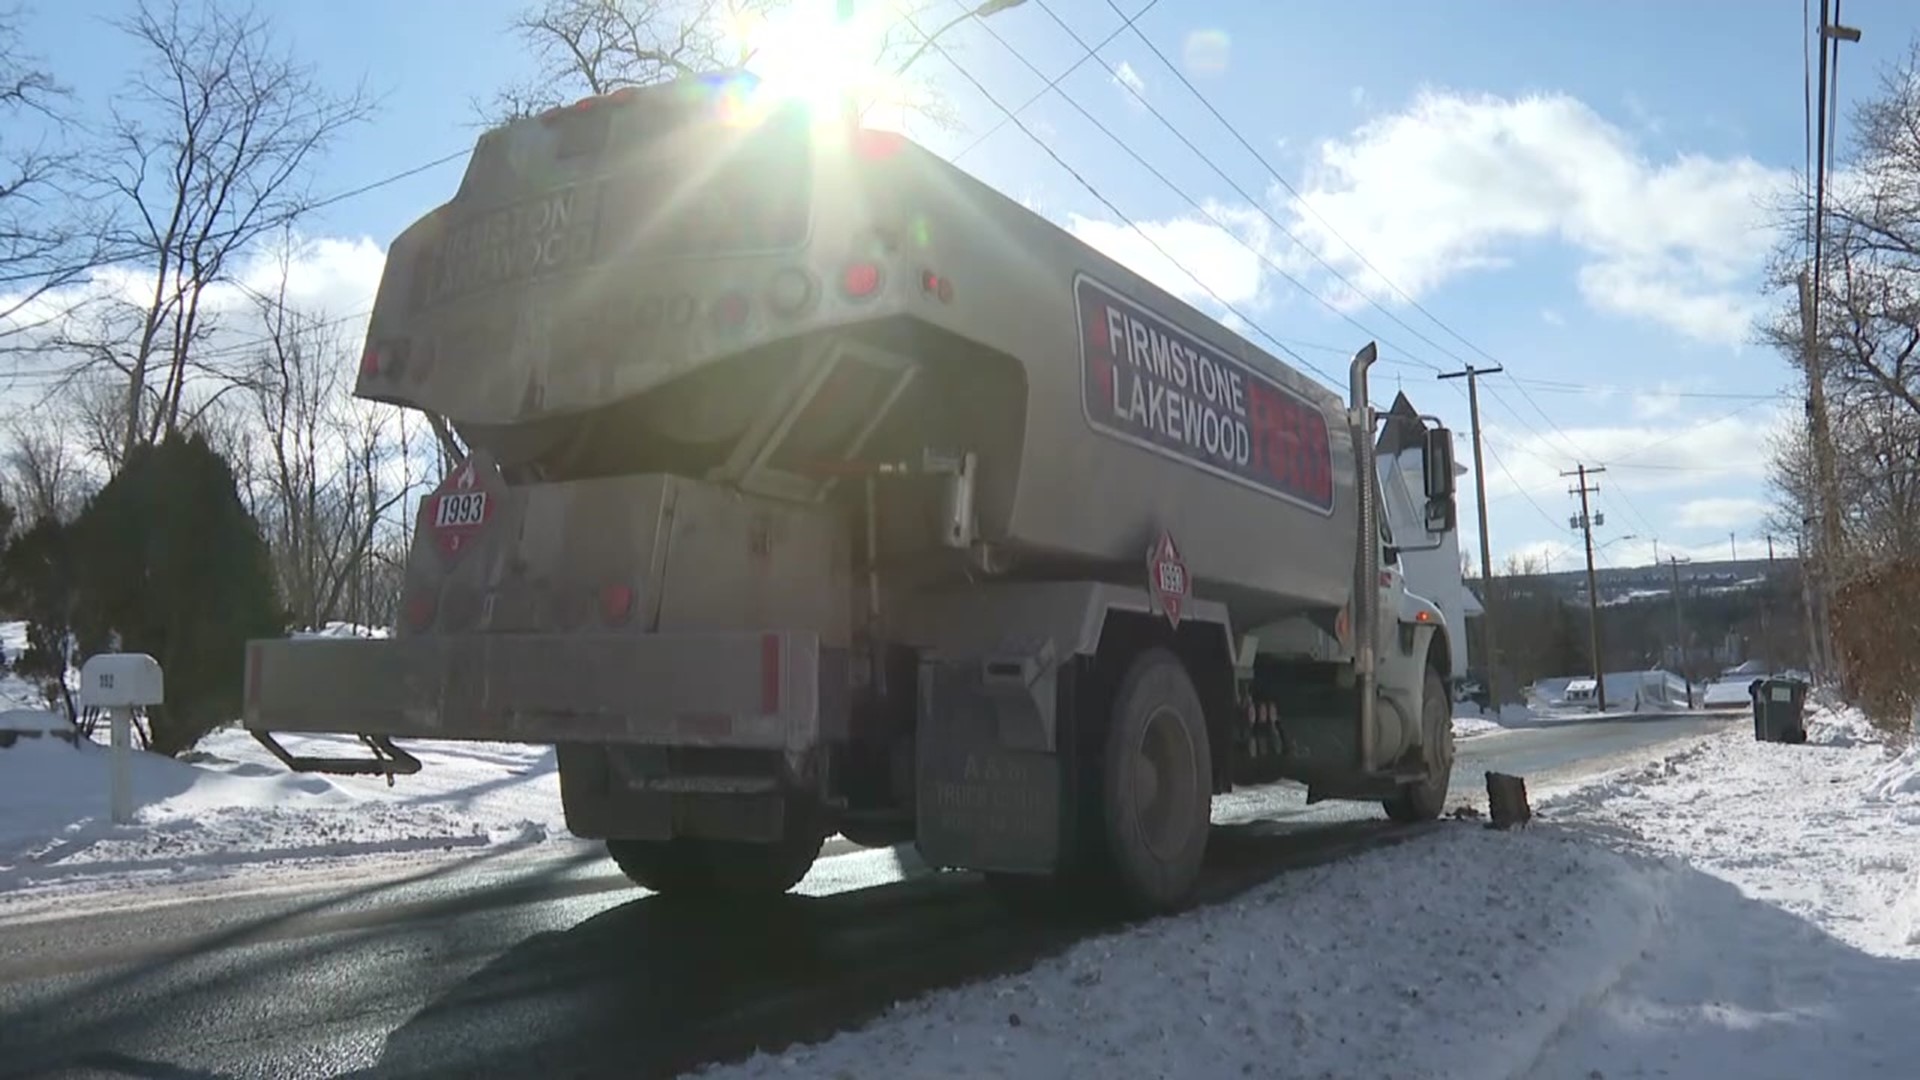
(421, 609)
(860, 280)
(616, 604)
(877, 145)
(934, 285)
(370, 363)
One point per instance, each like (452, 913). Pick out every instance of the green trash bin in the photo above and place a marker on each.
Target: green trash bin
(1778, 710)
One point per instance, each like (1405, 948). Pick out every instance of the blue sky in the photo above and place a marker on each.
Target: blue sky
(1575, 189)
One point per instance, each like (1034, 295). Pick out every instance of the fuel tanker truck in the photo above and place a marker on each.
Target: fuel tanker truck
(808, 486)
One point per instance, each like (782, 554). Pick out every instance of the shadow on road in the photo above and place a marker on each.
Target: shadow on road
(654, 987)
(145, 989)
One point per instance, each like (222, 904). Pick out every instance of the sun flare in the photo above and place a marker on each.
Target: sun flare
(808, 53)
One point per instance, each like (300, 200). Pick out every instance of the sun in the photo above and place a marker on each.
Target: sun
(808, 53)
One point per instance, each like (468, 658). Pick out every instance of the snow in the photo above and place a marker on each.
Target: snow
(1734, 909)
(34, 721)
(1466, 727)
(234, 809)
(1899, 780)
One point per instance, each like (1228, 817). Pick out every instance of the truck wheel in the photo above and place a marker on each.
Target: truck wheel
(1156, 784)
(1426, 800)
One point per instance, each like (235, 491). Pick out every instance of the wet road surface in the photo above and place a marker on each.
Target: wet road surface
(542, 962)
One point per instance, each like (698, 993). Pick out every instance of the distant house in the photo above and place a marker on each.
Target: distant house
(1434, 574)
(1627, 691)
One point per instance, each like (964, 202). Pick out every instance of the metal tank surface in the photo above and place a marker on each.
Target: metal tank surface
(1102, 409)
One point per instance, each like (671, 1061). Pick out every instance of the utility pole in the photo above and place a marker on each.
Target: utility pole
(1826, 496)
(1680, 633)
(1819, 428)
(1472, 375)
(1586, 523)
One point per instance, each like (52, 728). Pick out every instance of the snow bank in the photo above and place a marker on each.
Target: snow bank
(1734, 909)
(1823, 830)
(236, 809)
(1377, 966)
(1466, 727)
(1899, 779)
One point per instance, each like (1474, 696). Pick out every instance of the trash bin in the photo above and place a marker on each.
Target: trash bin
(1778, 705)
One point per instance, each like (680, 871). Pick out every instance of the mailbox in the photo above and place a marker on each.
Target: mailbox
(121, 681)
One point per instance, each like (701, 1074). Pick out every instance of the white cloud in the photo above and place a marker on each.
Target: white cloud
(1720, 512)
(331, 277)
(1552, 317)
(1456, 183)
(1198, 255)
(1125, 75)
(1638, 456)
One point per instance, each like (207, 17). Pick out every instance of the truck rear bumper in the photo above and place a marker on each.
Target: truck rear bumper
(760, 690)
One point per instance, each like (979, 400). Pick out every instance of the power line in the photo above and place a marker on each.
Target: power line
(386, 181)
(1329, 226)
(1335, 233)
(1304, 204)
(1646, 447)
(1554, 386)
(1205, 158)
(1054, 82)
(1103, 200)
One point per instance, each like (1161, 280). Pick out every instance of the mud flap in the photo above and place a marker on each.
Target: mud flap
(989, 781)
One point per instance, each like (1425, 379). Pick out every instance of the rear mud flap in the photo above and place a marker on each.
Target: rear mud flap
(989, 784)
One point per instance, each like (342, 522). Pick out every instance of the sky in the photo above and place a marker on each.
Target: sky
(1584, 193)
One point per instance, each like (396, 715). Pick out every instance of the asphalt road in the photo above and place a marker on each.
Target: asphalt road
(544, 963)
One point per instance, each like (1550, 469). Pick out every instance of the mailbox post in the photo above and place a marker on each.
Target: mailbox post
(121, 683)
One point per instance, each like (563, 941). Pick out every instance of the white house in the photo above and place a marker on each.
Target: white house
(1433, 574)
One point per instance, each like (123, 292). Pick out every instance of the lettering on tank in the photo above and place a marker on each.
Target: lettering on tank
(553, 231)
(1147, 382)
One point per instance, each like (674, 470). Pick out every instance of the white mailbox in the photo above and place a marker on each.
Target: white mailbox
(121, 681)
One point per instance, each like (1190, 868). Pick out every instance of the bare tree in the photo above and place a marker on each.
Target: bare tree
(328, 478)
(210, 151)
(46, 475)
(48, 240)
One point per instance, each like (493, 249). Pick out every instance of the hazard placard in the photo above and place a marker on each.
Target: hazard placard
(1167, 578)
(460, 507)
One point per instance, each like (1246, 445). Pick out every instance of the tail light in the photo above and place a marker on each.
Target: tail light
(421, 607)
(877, 145)
(860, 280)
(385, 358)
(616, 604)
(934, 285)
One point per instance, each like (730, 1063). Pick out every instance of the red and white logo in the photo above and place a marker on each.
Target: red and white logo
(1167, 578)
(459, 508)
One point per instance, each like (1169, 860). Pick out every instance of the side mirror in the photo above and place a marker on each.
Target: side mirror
(1437, 458)
(1439, 463)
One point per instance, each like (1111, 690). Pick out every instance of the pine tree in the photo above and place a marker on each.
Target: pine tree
(170, 561)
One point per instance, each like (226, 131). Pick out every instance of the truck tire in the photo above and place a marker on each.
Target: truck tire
(1426, 800)
(1156, 784)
